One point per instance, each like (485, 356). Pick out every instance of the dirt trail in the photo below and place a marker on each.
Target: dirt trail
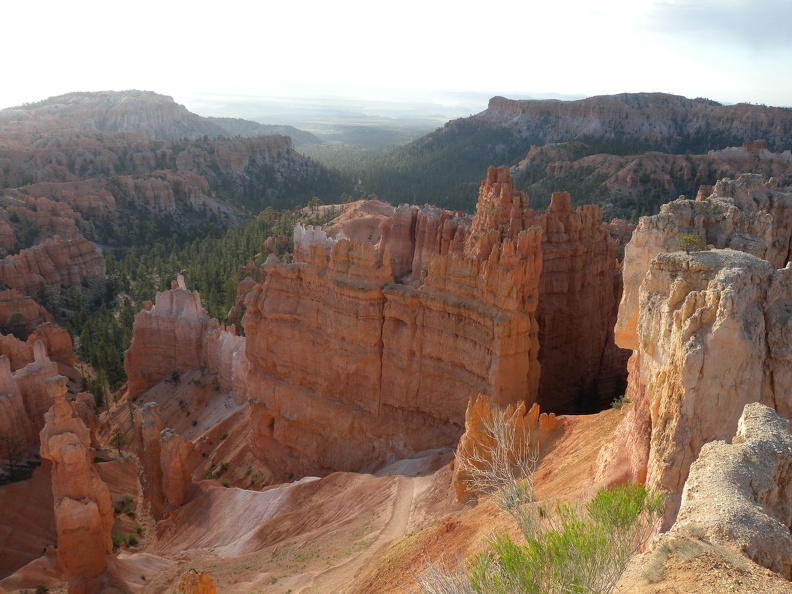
(335, 580)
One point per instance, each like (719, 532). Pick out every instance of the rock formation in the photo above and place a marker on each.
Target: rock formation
(30, 314)
(657, 121)
(25, 368)
(55, 262)
(194, 583)
(528, 431)
(632, 184)
(83, 509)
(406, 357)
(176, 478)
(393, 364)
(148, 427)
(165, 476)
(707, 329)
(738, 494)
(175, 335)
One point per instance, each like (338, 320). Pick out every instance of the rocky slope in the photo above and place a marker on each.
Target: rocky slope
(658, 121)
(604, 150)
(637, 184)
(141, 114)
(117, 166)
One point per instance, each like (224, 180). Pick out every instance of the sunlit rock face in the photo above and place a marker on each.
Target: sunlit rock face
(334, 341)
(754, 506)
(363, 351)
(708, 330)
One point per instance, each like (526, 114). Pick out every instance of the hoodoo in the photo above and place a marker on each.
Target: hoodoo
(83, 510)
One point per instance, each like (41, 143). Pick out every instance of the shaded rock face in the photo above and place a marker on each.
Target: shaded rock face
(164, 455)
(55, 262)
(32, 314)
(175, 335)
(749, 479)
(83, 509)
(148, 426)
(394, 364)
(23, 394)
(708, 330)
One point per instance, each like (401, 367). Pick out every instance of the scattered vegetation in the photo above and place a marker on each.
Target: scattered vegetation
(126, 505)
(118, 439)
(563, 548)
(620, 401)
(689, 242)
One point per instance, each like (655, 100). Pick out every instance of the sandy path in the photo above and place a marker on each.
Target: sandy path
(335, 580)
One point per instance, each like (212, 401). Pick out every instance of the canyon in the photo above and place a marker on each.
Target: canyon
(314, 444)
(483, 306)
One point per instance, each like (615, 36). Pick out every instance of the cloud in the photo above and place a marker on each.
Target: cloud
(760, 24)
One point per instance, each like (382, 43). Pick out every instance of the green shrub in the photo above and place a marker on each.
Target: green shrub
(568, 549)
(126, 505)
(619, 402)
(582, 550)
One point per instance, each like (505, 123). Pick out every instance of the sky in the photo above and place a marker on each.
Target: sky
(728, 50)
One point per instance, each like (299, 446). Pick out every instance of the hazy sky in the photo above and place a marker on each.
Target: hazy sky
(728, 50)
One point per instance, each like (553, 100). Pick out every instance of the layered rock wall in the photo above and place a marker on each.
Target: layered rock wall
(175, 335)
(56, 262)
(394, 364)
(24, 396)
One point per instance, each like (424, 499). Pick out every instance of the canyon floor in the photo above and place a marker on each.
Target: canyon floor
(346, 532)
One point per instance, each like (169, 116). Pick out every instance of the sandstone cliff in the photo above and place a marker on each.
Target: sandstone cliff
(655, 120)
(406, 357)
(56, 262)
(151, 115)
(175, 335)
(639, 183)
(706, 329)
(165, 476)
(24, 395)
(32, 314)
(83, 509)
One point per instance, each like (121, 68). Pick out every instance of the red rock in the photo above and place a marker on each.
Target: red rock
(148, 426)
(33, 315)
(176, 334)
(83, 509)
(529, 430)
(407, 357)
(176, 478)
(56, 340)
(55, 262)
(194, 583)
